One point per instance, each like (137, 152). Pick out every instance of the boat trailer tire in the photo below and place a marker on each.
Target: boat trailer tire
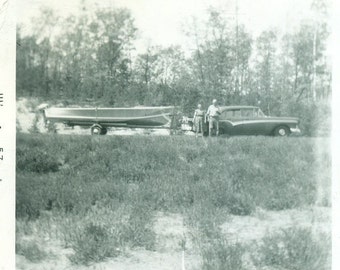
(96, 130)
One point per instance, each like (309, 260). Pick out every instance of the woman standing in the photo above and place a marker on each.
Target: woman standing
(198, 120)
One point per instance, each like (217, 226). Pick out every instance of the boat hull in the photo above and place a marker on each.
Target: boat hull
(152, 117)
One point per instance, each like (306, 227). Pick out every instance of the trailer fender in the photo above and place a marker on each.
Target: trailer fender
(96, 129)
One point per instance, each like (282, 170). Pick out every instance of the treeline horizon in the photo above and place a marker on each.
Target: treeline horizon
(88, 57)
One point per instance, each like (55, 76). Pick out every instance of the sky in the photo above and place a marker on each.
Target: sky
(162, 22)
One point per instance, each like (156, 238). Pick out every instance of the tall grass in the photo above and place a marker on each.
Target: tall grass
(221, 255)
(295, 249)
(94, 244)
(87, 181)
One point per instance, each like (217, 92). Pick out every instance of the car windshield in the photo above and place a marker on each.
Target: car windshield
(260, 113)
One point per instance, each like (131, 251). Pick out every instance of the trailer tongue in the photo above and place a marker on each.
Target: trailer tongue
(99, 119)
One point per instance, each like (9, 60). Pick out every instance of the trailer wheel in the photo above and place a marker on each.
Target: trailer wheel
(96, 130)
(103, 131)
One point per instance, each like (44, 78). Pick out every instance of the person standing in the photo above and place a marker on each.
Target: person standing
(198, 120)
(213, 115)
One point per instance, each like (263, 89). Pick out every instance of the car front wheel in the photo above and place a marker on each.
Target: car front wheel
(281, 131)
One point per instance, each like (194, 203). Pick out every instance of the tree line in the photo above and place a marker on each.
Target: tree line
(91, 57)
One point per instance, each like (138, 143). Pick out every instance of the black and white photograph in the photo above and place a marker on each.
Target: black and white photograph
(163, 135)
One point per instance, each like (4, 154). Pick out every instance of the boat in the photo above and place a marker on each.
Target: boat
(99, 119)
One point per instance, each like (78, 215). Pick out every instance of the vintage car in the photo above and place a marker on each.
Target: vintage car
(250, 120)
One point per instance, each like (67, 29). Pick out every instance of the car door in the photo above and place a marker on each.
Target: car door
(253, 124)
(231, 122)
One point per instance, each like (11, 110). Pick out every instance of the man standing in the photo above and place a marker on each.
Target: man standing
(213, 115)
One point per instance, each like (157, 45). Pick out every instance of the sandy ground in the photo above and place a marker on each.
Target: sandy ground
(170, 232)
(263, 223)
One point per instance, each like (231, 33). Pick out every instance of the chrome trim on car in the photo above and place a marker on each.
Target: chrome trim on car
(255, 121)
(295, 130)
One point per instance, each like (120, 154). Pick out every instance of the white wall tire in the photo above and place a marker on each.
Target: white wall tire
(281, 131)
(96, 130)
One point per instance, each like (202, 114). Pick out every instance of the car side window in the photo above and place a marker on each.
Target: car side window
(247, 113)
(225, 115)
(236, 113)
(231, 114)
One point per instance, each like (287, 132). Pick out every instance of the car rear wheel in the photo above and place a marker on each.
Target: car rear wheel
(281, 131)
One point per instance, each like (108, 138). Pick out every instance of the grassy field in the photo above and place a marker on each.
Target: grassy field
(98, 197)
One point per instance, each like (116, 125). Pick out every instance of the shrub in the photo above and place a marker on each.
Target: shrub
(240, 204)
(94, 244)
(30, 251)
(28, 201)
(221, 255)
(166, 173)
(106, 231)
(295, 249)
(36, 160)
(138, 231)
(315, 118)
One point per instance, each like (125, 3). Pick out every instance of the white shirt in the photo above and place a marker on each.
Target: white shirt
(213, 110)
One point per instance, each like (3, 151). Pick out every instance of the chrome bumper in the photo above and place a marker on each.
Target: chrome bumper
(295, 130)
